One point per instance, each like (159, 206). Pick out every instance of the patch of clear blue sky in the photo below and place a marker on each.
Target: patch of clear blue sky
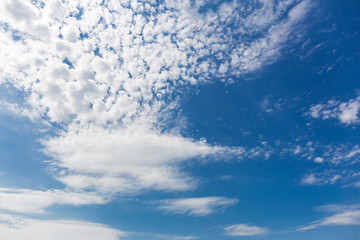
(268, 190)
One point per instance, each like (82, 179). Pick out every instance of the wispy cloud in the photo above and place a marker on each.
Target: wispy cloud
(335, 163)
(244, 230)
(19, 228)
(345, 218)
(32, 201)
(196, 206)
(173, 237)
(320, 179)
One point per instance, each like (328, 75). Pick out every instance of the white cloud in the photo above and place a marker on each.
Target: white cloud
(23, 16)
(196, 206)
(345, 112)
(350, 217)
(111, 76)
(353, 152)
(169, 237)
(349, 111)
(337, 208)
(117, 74)
(20, 228)
(310, 180)
(318, 160)
(336, 154)
(31, 201)
(244, 230)
(340, 160)
(127, 160)
(320, 179)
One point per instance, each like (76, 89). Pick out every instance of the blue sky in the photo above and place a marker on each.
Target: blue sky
(179, 119)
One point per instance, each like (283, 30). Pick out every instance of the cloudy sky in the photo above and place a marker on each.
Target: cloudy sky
(179, 119)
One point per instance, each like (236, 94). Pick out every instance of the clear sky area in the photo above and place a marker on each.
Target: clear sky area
(179, 119)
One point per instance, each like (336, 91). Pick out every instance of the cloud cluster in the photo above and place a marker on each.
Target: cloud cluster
(336, 163)
(345, 112)
(320, 179)
(114, 62)
(110, 74)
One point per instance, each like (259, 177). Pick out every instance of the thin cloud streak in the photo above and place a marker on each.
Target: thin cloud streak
(346, 218)
(195, 206)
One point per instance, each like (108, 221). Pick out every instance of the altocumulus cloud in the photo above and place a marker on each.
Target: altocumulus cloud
(110, 73)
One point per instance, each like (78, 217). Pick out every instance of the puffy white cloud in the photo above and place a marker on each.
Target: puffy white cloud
(20, 228)
(24, 17)
(123, 63)
(32, 201)
(349, 111)
(196, 206)
(318, 160)
(345, 112)
(244, 230)
(310, 180)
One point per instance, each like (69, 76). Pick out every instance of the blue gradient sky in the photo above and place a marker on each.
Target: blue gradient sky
(180, 120)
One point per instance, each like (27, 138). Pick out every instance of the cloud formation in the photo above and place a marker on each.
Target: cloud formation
(244, 230)
(196, 206)
(117, 62)
(110, 73)
(345, 216)
(127, 160)
(20, 228)
(31, 201)
(320, 179)
(168, 237)
(345, 112)
(336, 163)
